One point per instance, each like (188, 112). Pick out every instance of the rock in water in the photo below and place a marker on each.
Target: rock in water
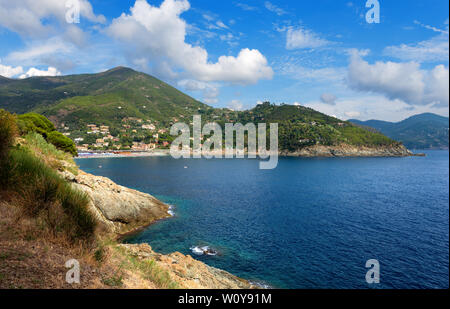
(119, 209)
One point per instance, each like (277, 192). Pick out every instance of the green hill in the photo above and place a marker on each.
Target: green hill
(133, 107)
(424, 131)
(109, 96)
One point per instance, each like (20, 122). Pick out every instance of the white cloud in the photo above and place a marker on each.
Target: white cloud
(157, 33)
(328, 98)
(246, 7)
(40, 49)
(9, 71)
(13, 72)
(306, 74)
(373, 107)
(435, 49)
(404, 81)
(235, 105)
(435, 29)
(208, 17)
(36, 72)
(30, 17)
(303, 38)
(273, 8)
(210, 90)
(221, 24)
(352, 114)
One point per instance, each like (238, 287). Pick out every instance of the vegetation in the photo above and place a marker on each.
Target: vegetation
(32, 122)
(62, 142)
(299, 127)
(148, 268)
(41, 193)
(125, 101)
(8, 131)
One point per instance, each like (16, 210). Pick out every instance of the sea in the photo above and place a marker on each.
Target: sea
(311, 223)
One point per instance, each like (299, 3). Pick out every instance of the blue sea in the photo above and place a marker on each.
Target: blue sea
(309, 223)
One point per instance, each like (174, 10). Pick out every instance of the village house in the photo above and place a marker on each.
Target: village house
(148, 127)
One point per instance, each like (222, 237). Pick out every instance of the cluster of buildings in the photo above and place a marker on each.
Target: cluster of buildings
(106, 140)
(94, 129)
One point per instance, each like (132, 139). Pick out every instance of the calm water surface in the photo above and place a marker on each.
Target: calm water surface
(310, 223)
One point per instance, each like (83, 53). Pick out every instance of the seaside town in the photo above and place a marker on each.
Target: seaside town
(135, 135)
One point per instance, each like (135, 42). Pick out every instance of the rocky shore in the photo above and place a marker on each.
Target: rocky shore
(345, 150)
(121, 210)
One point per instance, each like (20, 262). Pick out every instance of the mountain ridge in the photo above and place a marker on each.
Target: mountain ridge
(136, 111)
(421, 131)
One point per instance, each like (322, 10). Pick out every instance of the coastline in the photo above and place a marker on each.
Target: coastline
(319, 151)
(121, 212)
(124, 154)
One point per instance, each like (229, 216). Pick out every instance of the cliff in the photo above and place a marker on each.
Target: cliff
(118, 209)
(121, 210)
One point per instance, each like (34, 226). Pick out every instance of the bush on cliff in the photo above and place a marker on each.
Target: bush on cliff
(62, 142)
(8, 131)
(32, 122)
(40, 192)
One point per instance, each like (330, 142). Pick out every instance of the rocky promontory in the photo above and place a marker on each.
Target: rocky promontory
(120, 210)
(346, 150)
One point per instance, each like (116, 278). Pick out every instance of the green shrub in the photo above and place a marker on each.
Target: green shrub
(46, 195)
(37, 141)
(32, 122)
(62, 142)
(8, 131)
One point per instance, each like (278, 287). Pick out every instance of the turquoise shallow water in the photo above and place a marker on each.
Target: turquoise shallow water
(310, 223)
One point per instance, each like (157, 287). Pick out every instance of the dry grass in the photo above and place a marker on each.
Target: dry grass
(33, 257)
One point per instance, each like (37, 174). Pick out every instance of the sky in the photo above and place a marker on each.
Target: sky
(324, 54)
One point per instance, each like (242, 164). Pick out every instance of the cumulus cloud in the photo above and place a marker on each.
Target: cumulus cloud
(405, 81)
(328, 98)
(159, 33)
(30, 17)
(13, 72)
(51, 71)
(302, 38)
(10, 71)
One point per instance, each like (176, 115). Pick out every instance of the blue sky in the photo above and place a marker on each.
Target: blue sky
(322, 54)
